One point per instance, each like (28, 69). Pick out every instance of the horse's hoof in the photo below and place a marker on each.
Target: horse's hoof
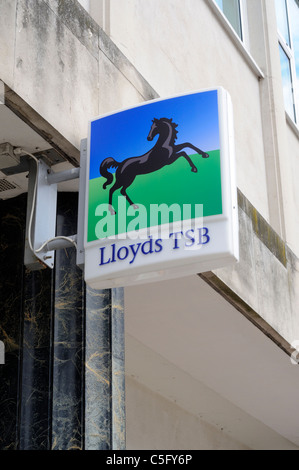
(194, 170)
(112, 211)
(135, 206)
(205, 155)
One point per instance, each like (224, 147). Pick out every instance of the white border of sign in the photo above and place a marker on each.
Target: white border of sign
(223, 246)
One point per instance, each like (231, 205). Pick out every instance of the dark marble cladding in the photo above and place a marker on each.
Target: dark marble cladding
(118, 369)
(35, 393)
(51, 396)
(12, 220)
(98, 370)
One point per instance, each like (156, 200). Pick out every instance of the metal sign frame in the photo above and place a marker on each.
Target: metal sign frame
(121, 259)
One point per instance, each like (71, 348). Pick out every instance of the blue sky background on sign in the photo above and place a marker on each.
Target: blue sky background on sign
(124, 134)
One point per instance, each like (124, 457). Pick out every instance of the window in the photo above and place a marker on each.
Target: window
(85, 4)
(287, 12)
(232, 10)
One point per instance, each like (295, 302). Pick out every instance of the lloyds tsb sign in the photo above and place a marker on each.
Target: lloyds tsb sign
(160, 191)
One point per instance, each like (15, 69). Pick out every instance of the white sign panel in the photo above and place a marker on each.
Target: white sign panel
(161, 198)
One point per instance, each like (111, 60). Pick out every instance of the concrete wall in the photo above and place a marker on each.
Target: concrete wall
(162, 421)
(172, 44)
(86, 75)
(58, 61)
(266, 278)
(175, 45)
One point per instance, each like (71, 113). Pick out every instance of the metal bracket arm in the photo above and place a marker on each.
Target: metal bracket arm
(54, 178)
(41, 241)
(60, 243)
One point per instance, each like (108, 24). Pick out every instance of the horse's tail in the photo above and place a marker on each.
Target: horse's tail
(105, 165)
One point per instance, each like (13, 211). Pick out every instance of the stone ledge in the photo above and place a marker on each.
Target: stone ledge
(25, 112)
(267, 266)
(263, 230)
(230, 296)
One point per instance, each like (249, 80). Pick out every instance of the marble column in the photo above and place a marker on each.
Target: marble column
(104, 381)
(68, 337)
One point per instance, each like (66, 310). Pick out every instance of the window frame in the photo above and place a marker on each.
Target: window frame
(244, 38)
(289, 52)
(244, 23)
(243, 48)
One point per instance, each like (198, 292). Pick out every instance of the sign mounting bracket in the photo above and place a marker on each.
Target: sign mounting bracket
(41, 239)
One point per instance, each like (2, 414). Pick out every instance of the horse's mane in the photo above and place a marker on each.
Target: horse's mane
(173, 125)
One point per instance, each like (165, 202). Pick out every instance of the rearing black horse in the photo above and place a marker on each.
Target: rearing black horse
(164, 152)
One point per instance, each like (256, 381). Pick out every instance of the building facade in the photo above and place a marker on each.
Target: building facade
(201, 362)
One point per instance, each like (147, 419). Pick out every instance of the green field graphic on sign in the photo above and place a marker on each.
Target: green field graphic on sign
(174, 184)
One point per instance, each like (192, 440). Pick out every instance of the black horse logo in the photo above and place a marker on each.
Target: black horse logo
(164, 152)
